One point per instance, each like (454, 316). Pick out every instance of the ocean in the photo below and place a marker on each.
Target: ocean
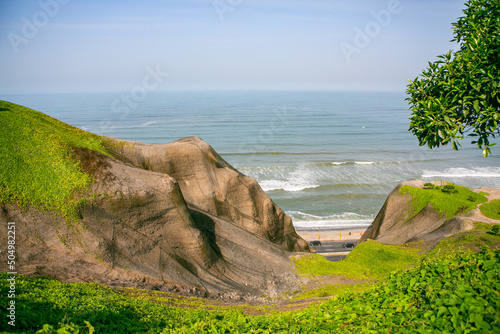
(328, 159)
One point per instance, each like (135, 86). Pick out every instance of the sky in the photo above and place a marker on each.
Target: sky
(62, 46)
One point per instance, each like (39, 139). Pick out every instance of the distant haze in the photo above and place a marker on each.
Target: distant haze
(54, 46)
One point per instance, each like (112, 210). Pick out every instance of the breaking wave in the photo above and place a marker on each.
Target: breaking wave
(305, 221)
(482, 172)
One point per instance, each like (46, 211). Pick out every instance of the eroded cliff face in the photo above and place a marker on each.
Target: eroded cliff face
(396, 223)
(174, 217)
(209, 184)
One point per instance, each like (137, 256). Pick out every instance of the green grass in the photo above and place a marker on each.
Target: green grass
(491, 209)
(36, 163)
(374, 261)
(458, 199)
(369, 261)
(332, 290)
(453, 293)
(468, 241)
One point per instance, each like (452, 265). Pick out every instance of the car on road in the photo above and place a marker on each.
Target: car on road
(315, 243)
(348, 245)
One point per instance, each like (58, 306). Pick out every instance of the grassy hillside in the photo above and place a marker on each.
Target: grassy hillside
(491, 209)
(370, 261)
(454, 289)
(37, 166)
(448, 200)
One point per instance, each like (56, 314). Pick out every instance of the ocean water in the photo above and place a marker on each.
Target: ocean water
(329, 159)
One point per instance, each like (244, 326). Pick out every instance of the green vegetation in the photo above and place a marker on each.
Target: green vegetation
(455, 288)
(455, 292)
(448, 200)
(471, 241)
(496, 230)
(460, 93)
(491, 209)
(369, 261)
(332, 290)
(37, 164)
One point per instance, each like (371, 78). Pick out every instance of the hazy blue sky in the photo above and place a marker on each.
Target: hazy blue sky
(100, 45)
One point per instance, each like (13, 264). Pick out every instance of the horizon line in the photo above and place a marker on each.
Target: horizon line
(117, 91)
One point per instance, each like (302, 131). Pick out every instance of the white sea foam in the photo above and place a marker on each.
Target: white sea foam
(147, 123)
(292, 186)
(312, 176)
(296, 181)
(482, 172)
(287, 179)
(339, 163)
(305, 221)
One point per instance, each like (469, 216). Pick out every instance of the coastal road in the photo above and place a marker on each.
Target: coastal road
(333, 250)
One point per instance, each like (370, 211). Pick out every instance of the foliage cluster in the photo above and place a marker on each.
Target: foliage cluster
(456, 292)
(36, 163)
(460, 93)
(448, 200)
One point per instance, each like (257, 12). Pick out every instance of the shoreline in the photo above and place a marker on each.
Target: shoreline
(349, 234)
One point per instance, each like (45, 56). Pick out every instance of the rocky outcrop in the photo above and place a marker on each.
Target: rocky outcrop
(209, 184)
(396, 222)
(174, 217)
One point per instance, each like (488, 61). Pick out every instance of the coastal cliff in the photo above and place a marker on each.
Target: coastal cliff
(173, 217)
(210, 185)
(416, 211)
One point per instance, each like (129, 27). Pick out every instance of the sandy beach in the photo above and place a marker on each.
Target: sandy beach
(331, 235)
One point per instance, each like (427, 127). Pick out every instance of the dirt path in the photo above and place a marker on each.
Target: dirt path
(252, 306)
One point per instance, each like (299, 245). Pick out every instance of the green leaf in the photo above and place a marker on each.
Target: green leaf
(476, 106)
(440, 134)
(89, 326)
